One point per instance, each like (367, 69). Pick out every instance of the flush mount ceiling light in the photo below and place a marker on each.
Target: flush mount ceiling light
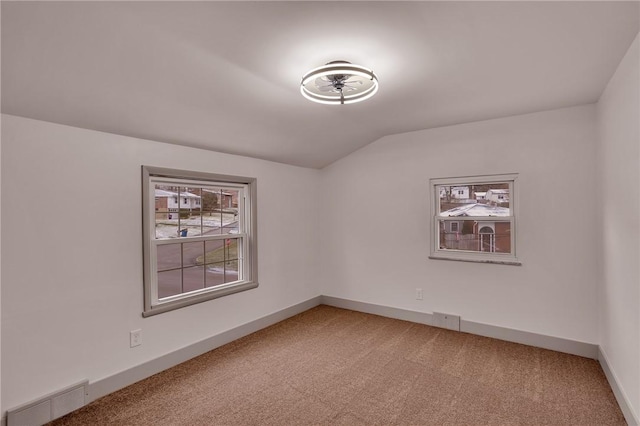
(339, 82)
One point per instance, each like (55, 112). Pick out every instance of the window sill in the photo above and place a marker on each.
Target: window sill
(472, 260)
(213, 293)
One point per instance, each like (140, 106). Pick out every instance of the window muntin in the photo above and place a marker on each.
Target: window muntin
(474, 218)
(203, 248)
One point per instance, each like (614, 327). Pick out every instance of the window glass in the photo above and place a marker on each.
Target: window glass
(469, 235)
(456, 197)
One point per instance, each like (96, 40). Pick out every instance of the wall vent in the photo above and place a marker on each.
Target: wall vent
(50, 407)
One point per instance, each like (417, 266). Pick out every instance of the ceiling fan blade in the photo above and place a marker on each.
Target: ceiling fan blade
(319, 83)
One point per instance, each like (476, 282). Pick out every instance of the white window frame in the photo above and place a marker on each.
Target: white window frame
(467, 255)
(247, 235)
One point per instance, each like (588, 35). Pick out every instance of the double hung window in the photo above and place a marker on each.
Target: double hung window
(202, 248)
(478, 227)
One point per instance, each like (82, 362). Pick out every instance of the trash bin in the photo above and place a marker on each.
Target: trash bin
(183, 232)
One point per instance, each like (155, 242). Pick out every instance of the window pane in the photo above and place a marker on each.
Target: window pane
(231, 275)
(222, 261)
(220, 210)
(231, 223)
(479, 236)
(210, 223)
(474, 199)
(210, 211)
(193, 278)
(169, 283)
(210, 198)
(192, 253)
(215, 274)
(222, 250)
(168, 257)
(231, 250)
(166, 211)
(190, 211)
(214, 251)
(230, 211)
(232, 263)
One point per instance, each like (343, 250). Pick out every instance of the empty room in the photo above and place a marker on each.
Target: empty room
(320, 212)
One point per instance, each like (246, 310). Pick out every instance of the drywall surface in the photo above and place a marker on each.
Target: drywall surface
(72, 254)
(378, 249)
(619, 200)
(1, 412)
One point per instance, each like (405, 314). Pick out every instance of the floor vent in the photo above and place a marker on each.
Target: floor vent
(49, 407)
(448, 321)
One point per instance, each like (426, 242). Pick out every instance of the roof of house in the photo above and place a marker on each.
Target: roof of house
(475, 210)
(189, 195)
(499, 191)
(228, 194)
(163, 193)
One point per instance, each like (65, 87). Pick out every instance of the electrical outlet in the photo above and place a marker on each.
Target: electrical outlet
(418, 294)
(135, 338)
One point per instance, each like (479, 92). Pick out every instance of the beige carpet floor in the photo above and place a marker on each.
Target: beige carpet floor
(331, 366)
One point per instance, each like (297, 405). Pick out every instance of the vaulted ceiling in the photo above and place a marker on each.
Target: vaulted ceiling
(225, 75)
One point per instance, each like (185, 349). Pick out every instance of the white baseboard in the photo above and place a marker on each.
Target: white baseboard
(383, 311)
(132, 375)
(627, 409)
(558, 344)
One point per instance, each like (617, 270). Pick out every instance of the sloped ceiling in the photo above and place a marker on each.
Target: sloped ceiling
(225, 75)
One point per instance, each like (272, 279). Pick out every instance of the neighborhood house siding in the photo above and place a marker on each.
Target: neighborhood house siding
(168, 202)
(460, 192)
(498, 195)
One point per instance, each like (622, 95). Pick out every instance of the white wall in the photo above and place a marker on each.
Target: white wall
(72, 280)
(380, 227)
(619, 161)
(0, 265)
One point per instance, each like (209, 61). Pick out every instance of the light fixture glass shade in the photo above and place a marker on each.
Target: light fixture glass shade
(339, 82)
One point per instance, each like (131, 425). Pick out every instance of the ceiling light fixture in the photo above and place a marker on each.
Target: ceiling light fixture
(339, 83)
